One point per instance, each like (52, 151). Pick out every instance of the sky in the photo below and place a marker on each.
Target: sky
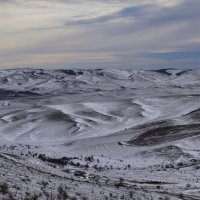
(143, 34)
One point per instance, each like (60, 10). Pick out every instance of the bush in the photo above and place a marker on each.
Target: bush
(4, 188)
(62, 194)
(80, 174)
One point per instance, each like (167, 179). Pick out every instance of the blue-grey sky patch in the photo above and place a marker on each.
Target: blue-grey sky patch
(175, 55)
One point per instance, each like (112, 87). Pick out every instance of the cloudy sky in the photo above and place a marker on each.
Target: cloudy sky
(100, 33)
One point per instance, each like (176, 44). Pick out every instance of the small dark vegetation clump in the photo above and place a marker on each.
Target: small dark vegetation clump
(4, 188)
(59, 161)
(80, 174)
(62, 193)
(120, 183)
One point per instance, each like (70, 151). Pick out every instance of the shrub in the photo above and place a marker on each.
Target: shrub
(62, 194)
(4, 188)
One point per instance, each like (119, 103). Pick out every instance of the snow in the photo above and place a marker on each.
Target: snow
(142, 126)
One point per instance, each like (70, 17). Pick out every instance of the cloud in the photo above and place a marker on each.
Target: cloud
(123, 13)
(175, 55)
(91, 33)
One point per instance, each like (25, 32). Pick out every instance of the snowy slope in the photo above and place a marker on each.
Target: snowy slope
(90, 103)
(148, 120)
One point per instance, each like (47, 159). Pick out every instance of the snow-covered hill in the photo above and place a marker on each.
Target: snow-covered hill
(148, 120)
(63, 105)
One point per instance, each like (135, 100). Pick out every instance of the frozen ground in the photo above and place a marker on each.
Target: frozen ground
(99, 134)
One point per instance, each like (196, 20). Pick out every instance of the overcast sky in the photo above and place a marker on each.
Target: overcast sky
(100, 33)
